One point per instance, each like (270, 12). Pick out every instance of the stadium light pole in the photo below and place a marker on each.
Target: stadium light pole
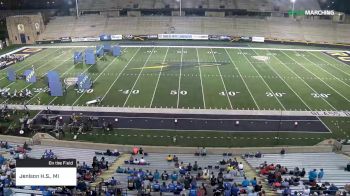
(77, 8)
(293, 1)
(180, 7)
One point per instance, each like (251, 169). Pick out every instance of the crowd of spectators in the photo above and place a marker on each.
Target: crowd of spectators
(281, 178)
(191, 179)
(86, 173)
(9, 60)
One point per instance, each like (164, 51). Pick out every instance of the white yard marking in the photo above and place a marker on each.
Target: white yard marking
(43, 75)
(303, 81)
(222, 80)
(264, 81)
(132, 88)
(27, 62)
(99, 75)
(120, 73)
(160, 73)
(240, 75)
(317, 77)
(179, 86)
(271, 67)
(200, 75)
(326, 72)
(37, 68)
(74, 74)
(330, 64)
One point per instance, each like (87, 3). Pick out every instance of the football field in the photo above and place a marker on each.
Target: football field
(193, 78)
(197, 80)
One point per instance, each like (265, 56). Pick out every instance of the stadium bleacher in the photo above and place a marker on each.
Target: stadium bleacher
(249, 5)
(273, 28)
(332, 163)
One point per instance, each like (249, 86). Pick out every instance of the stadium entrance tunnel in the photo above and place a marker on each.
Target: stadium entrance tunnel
(193, 122)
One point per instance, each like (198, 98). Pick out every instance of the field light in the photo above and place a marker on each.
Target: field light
(293, 1)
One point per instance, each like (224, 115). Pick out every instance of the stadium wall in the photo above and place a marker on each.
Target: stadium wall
(163, 149)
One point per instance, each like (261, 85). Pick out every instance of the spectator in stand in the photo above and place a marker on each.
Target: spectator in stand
(306, 190)
(136, 161)
(135, 150)
(141, 151)
(287, 191)
(156, 187)
(204, 151)
(142, 161)
(165, 175)
(312, 175)
(245, 182)
(258, 187)
(285, 183)
(241, 169)
(258, 154)
(283, 151)
(119, 170)
(26, 146)
(253, 182)
(332, 190)
(235, 190)
(174, 176)
(156, 175)
(195, 166)
(163, 188)
(202, 190)
(228, 176)
(2, 160)
(302, 173)
(175, 158)
(169, 158)
(320, 175)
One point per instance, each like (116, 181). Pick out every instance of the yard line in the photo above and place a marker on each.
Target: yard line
(64, 73)
(326, 71)
(132, 88)
(38, 68)
(222, 80)
(160, 73)
(304, 82)
(120, 73)
(317, 77)
(262, 79)
(179, 86)
(329, 63)
(99, 75)
(42, 76)
(273, 69)
(23, 67)
(200, 75)
(240, 75)
(341, 63)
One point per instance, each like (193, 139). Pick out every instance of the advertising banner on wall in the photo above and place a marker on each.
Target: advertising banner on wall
(116, 37)
(258, 39)
(86, 39)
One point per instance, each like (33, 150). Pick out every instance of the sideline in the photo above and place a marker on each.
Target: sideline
(178, 111)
